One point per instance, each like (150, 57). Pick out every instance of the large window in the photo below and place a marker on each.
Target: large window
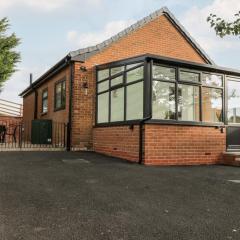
(184, 93)
(176, 93)
(60, 95)
(233, 96)
(212, 98)
(163, 102)
(188, 103)
(45, 101)
(120, 93)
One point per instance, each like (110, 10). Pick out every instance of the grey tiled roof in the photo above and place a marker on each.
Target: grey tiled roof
(84, 53)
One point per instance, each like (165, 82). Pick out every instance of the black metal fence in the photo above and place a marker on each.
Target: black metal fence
(33, 135)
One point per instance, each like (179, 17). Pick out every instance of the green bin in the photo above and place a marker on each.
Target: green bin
(41, 132)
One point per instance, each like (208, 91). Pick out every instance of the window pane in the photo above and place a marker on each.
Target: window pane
(45, 94)
(117, 80)
(135, 101)
(212, 80)
(164, 73)
(58, 88)
(58, 101)
(188, 103)
(45, 105)
(212, 104)
(189, 76)
(103, 102)
(117, 105)
(135, 74)
(103, 74)
(117, 70)
(103, 86)
(163, 102)
(233, 102)
(133, 65)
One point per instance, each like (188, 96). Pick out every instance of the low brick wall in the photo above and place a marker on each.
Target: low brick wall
(120, 141)
(163, 144)
(9, 119)
(183, 145)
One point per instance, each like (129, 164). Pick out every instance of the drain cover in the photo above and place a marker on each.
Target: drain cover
(79, 160)
(234, 181)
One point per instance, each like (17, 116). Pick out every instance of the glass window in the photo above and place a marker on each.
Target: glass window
(132, 65)
(103, 101)
(189, 76)
(103, 86)
(134, 75)
(212, 104)
(135, 101)
(45, 101)
(116, 70)
(103, 74)
(164, 73)
(117, 105)
(212, 80)
(188, 103)
(60, 95)
(233, 102)
(163, 100)
(117, 80)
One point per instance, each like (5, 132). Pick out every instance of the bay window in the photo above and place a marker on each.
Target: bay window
(170, 93)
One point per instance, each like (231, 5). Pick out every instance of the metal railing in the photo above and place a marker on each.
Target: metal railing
(19, 135)
(8, 108)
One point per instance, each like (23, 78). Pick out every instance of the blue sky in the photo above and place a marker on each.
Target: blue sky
(49, 29)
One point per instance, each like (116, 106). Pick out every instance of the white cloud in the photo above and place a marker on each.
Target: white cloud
(18, 82)
(91, 38)
(46, 5)
(195, 22)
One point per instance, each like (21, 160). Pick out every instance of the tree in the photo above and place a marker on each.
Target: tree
(8, 55)
(223, 27)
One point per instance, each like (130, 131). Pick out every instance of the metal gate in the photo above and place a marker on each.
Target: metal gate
(33, 136)
(233, 138)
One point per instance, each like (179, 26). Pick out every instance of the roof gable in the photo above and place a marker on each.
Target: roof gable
(85, 53)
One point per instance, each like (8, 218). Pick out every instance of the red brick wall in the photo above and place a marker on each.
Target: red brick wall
(9, 119)
(183, 145)
(28, 107)
(158, 37)
(121, 141)
(60, 116)
(163, 144)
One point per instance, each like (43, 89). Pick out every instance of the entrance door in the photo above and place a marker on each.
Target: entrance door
(233, 114)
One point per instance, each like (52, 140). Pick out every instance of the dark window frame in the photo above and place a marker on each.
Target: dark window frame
(44, 99)
(123, 85)
(149, 60)
(63, 103)
(190, 83)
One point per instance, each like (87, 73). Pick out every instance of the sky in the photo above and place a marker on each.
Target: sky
(49, 29)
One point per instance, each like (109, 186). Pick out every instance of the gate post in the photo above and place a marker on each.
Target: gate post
(68, 137)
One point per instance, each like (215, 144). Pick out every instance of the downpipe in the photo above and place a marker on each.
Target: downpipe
(141, 124)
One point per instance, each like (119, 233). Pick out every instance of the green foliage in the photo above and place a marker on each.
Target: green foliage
(222, 27)
(8, 56)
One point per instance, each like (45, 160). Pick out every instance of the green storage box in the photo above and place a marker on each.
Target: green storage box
(41, 132)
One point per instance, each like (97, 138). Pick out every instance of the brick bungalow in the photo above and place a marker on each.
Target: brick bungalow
(149, 94)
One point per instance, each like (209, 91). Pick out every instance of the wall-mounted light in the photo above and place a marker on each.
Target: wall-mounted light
(85, 87)
(83, 69)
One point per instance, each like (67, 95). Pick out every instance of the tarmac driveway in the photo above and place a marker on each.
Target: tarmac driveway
(68, 196)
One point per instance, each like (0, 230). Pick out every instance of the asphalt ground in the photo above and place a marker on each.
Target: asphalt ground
(70, 195)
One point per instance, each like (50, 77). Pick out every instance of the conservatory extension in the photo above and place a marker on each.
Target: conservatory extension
(190, 111)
